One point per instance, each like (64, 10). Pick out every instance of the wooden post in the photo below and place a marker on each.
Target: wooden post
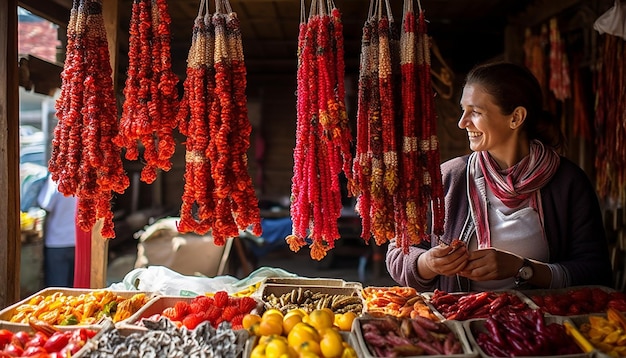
(9, 154)
(99, 245)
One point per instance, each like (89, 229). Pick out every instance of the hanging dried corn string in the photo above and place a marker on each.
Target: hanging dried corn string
(610, 111)
(323, 137)
(404, 173)
(377, 156)
(218, 193)
(432, 187)
(148, 112)
(559, 65)
(84, 160)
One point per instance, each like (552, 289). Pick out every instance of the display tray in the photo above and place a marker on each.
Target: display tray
(601, 350)
(156, 307)
(364, 346)
(474, 326)
(347, 337)
(67, 293)
(445, 309)
(576, 301)
(173, 341)
(397, 301)
(311, 281)
(286, 297)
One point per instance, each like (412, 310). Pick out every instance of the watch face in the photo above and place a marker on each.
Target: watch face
(526, 272)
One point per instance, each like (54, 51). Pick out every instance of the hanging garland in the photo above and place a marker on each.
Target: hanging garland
(559, 65)
(610, 112)
(85, 162)
(397, 181)
(323, 137)
(148, 112)
(218, 193)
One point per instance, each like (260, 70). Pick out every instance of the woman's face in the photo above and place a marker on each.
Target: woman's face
(487, 128)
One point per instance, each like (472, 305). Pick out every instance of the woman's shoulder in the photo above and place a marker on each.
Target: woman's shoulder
(455, 164)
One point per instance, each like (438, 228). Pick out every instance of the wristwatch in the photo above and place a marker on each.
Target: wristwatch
(524, 273)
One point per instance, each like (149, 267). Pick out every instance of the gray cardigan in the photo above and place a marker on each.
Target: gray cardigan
(572, 219)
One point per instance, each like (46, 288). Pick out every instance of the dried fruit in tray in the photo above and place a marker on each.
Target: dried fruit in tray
(462, 306)
(391, 337)
(396, 301)
(287, 297)
(606, 333)
(579, 300)
(191, 312)
(83, 309)
(508, 334)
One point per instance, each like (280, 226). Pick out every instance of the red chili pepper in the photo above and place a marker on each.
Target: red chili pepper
(57, 341)
(493, 328)
(5, 337)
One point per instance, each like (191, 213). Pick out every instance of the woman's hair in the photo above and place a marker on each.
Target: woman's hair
(512, 86)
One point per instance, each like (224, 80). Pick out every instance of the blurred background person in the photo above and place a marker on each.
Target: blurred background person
(59, 234)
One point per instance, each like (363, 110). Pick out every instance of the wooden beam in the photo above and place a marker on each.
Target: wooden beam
(10, 245)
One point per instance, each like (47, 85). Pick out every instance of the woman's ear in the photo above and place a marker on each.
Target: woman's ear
(517, 117)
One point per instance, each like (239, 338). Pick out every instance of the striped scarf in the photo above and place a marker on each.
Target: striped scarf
(512, 186)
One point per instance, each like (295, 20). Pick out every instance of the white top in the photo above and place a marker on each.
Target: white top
(59, 225)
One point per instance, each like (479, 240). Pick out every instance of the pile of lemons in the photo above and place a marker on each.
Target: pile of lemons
(298, 334)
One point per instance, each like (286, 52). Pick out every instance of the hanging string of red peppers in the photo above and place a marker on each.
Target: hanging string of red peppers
(85, 161)
(323, 137)
(151, 99)
(396, 181)
(218, 193)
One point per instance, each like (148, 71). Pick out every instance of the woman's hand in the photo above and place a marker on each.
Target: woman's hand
(491, 264)
(444, 260)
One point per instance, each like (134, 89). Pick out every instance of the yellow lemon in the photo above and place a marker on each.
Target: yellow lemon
(348, 352)
(249, 320)
(258, 351)
(267, 327)
(331, 343)
(308, 354)
(310, 346)
(289, 321)
(321, 319)
(276, 348)
(272, 313)
(344, 320)
(300, 333)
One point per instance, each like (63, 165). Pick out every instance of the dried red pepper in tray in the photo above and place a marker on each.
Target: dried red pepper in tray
(218, 193)
(463, 306)
(84, 160)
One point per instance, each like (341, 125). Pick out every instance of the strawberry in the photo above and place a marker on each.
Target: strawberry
(192, 320)
(182, 309)
(237, 321)
(212, 313)
(170, 312)
(229, 312)
(246, 304)
(221, 298)
(203, 301)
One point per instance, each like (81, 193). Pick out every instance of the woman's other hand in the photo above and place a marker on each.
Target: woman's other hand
(491, 264)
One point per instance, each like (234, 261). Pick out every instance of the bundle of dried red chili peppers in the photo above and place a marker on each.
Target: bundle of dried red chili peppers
(397, 181)
(610, 113)
(323, 137)
(84, 161)
(560, 83)
(218, 194)
(149, 109)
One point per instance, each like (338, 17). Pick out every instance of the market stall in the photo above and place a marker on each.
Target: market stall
(394, 176)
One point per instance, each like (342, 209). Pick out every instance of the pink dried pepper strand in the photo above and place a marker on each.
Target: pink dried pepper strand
(85, 161)
(148, 112)
(323, 139)
(432, 188)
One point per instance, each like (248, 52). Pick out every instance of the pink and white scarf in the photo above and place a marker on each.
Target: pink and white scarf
(512, 186)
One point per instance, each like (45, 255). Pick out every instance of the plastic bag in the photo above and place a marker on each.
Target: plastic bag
(612, 22)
